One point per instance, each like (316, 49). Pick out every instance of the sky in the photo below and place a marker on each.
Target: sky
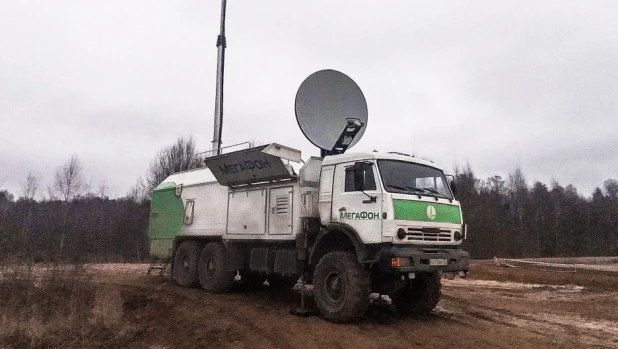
(496, 84)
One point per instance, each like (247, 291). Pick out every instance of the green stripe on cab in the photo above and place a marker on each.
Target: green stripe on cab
(426, 211)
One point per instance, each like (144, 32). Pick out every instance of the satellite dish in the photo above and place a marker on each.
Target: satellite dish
(331, 111)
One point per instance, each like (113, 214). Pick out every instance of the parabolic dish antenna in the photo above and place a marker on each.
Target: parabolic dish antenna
(331, 111)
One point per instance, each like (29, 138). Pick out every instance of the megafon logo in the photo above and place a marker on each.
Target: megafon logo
(359, 215)
(244, 166)
(431, 212)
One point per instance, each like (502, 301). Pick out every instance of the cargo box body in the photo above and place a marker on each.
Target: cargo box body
(194, 203)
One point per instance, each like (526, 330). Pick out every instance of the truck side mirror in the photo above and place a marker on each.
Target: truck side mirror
(453, 186)
(359, 176)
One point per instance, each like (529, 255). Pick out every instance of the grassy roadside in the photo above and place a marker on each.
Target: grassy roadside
(57, 306)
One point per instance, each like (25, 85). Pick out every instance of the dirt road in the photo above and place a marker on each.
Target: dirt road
(473, 313)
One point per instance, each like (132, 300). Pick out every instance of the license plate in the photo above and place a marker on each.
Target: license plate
(440, 261)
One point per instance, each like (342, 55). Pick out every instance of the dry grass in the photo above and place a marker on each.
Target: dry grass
(118, 306)
(56, 306)
(107, 308)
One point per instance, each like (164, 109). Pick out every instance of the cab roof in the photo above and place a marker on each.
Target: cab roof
(350, 157)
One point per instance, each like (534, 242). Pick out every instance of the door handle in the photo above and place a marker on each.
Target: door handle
(342, 209)
(371, 199)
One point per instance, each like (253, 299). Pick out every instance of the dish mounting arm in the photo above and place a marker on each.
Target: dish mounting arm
(350, 131)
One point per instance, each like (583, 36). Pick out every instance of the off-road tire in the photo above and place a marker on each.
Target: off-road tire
(212, 274)
(341, 287)
(186, 260)
(420, 297)
(280, 282)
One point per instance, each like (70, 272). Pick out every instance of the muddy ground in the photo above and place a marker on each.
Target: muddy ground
(493, 308)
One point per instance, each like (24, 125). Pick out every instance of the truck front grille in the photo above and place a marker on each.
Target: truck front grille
(429, 234)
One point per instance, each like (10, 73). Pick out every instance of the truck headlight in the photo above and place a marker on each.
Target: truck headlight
(458, 236)
(401, 234)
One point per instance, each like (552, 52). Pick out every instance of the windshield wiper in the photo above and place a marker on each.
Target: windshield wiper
(406, 189)
(396, 187)
(432, 190)
(422, 191)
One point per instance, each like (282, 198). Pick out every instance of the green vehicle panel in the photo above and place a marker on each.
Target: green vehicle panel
(420, 211)
(166, 219)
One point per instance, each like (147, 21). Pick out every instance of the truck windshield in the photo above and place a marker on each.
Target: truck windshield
(411, 178)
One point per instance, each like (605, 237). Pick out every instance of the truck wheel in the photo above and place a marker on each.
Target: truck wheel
(186, 263)
(280, 282)
(212, 274)
(420, 297)
(341, 287)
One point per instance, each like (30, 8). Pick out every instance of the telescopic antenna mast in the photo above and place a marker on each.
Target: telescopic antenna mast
(221, 44)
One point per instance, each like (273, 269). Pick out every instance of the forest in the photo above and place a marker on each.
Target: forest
(510, 219)
(506, 217)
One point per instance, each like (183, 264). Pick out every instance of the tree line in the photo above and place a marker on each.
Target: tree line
(73, 223)
(505, 217)
(76, 222)
(509, 218)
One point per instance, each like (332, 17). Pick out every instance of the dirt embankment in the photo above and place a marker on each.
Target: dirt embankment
(517, 311)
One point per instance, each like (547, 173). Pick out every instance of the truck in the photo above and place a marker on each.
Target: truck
(350, 224)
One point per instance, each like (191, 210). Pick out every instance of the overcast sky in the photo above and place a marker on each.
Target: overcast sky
(493, 83)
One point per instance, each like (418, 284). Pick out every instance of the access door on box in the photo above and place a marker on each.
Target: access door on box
(280, 211)
(246, 212)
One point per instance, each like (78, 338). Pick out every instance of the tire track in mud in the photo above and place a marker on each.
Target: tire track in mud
(198, 306)
(263, 320)
(472, 313)
(380, 328)
(544, 319)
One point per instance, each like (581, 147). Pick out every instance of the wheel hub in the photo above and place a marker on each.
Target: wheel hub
(334, 286)
(185, 263)
(211, 267)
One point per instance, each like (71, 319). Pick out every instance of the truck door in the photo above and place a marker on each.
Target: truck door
(246, 213)
(326, 194)
(357, 199)
(280, 215)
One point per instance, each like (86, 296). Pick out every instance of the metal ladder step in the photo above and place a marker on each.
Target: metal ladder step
(160, 264)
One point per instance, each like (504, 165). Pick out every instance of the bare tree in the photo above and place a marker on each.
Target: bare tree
(29, 191)
(102, 190)
(518, 193)
(68, 180)
(31, 187)
(87, 189)
(138, 192)
(67, 185)
(180, 156)
(517, 183)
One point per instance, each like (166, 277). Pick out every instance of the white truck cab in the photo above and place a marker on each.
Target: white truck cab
(403, 203)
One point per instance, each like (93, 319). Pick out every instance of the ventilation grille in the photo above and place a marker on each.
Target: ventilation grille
(429, 234)
(281, 205)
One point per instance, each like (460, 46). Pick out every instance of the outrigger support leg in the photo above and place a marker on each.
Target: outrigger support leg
(303, 311)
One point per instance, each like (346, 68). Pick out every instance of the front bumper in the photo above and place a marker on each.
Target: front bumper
(419, 259)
